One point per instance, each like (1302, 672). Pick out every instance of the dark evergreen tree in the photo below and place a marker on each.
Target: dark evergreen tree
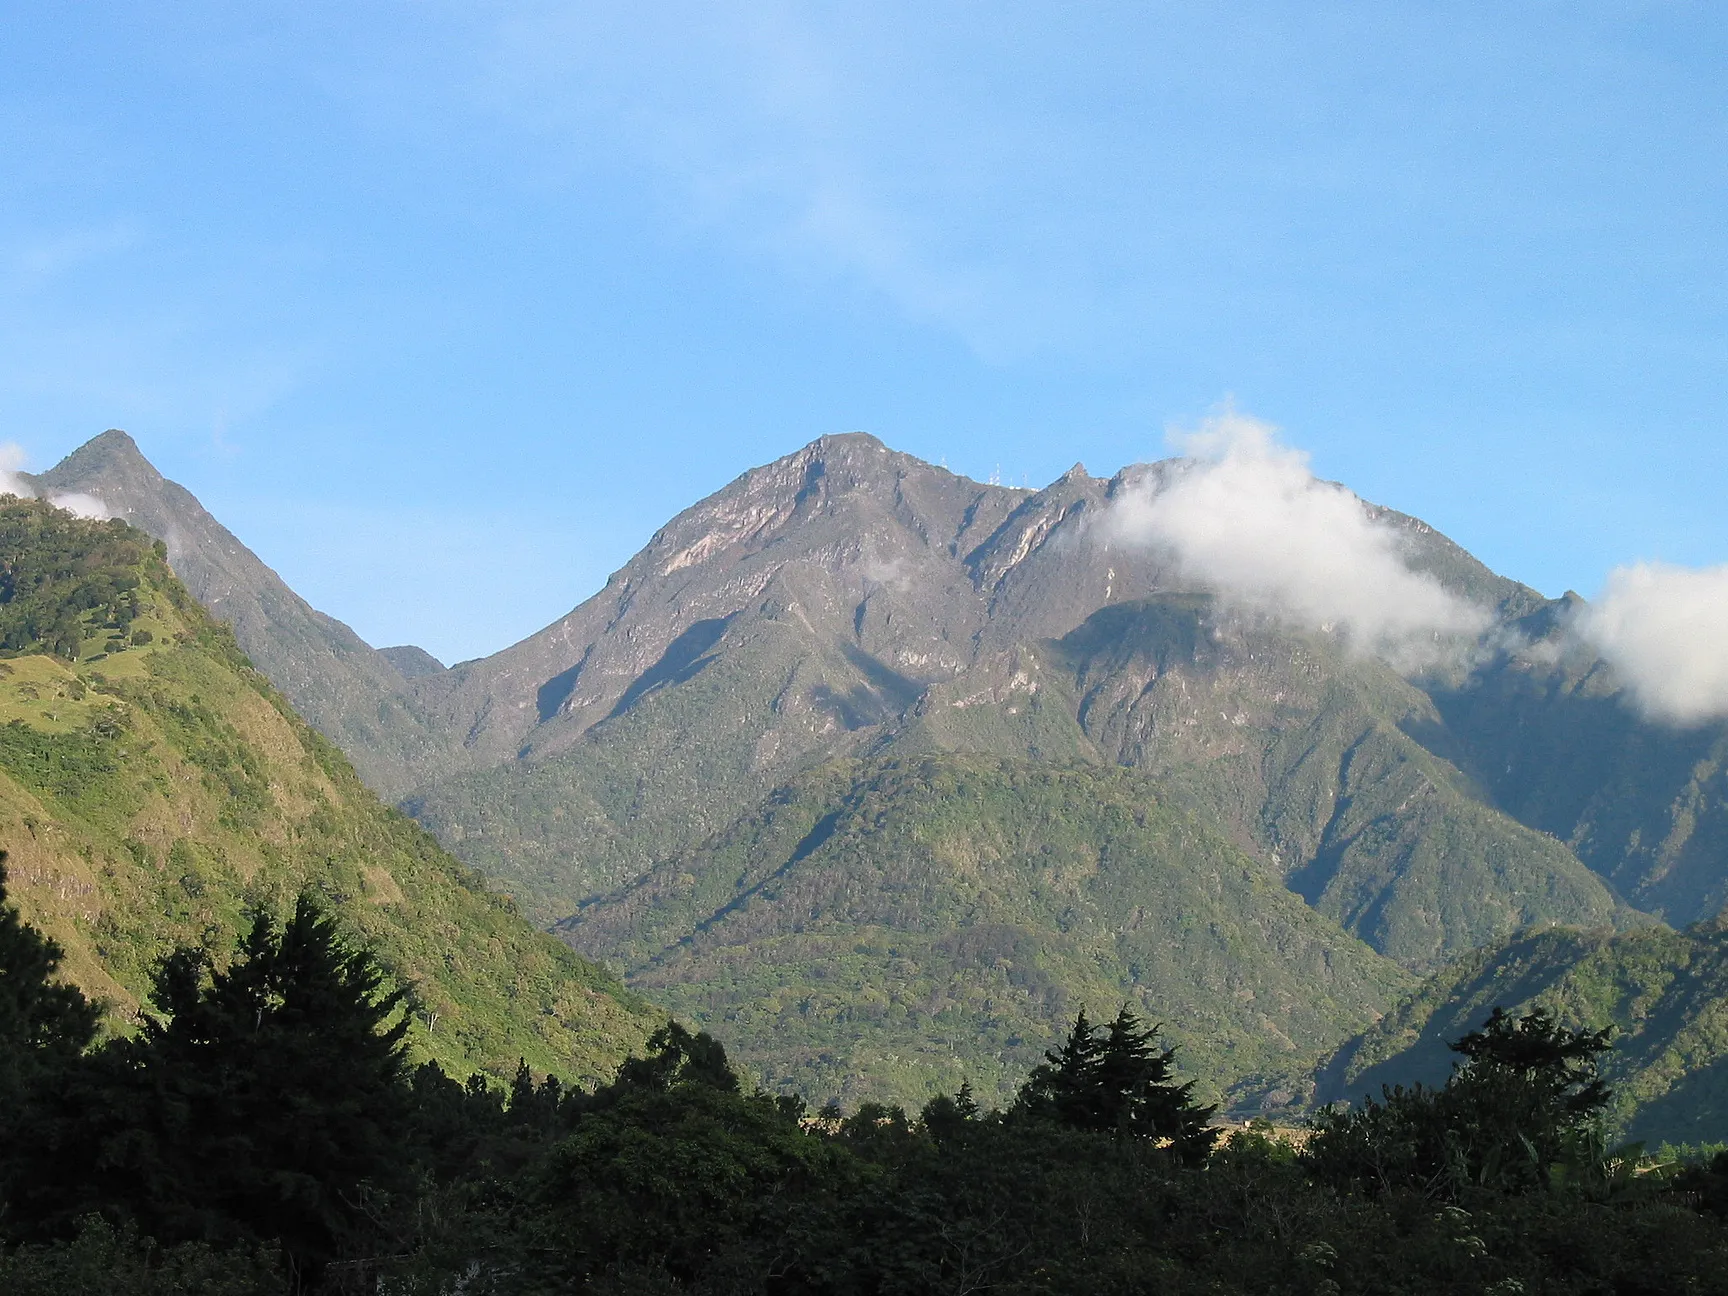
(265, 1100)
(1136, 1094)
(945, 1117)
(1115, 1079)
(1064, 1087)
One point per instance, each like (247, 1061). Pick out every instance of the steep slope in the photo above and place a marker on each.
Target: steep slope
(1545, 732)
(885, 929)
(1306, 751)
(411, 661)
(1664, 993)
(790, 619)
(154, 787)
(347, 691)
(848, 600)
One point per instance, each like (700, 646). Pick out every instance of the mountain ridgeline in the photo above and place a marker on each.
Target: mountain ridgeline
(880, 773)
(156, 791)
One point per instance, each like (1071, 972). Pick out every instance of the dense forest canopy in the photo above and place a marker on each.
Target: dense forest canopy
(264, 1133)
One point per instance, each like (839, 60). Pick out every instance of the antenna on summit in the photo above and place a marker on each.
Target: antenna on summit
(996, 477)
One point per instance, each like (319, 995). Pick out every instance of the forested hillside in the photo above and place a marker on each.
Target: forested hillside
(885, 930)
(154, 789)
(1661, 995)
(345, 689)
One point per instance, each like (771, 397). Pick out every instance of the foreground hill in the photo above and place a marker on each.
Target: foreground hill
(154, 787)
(348, 691)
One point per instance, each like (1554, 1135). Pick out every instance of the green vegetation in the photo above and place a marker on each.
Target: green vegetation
(1114, 1080)
(1663, 995)
(65, 583)
(1315, 756)
(1520, 1110)
(260, 1101)
(155, 790)
(263, 1135)
(1644, 804)
(882, 930)
(681, 762)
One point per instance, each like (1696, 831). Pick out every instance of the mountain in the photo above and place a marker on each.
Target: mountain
(347, 691)
(886, 929)
(1549, 739)
(154, 788)
(411, 662)
(850, 601)
(1663, 993)
(787, 649)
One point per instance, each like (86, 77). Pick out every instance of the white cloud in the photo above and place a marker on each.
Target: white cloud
(1248, 520)
(81, 505)
(76, 503)
(1664, 629)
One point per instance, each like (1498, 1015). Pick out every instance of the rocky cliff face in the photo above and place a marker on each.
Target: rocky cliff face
(845, 543)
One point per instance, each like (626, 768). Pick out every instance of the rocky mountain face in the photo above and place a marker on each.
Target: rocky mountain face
(683, 764)
(850, 601)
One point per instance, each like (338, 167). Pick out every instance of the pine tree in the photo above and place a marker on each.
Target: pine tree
(1115, 1079)
(279, 1082)
(1064, 1088)
(265, 1100)
(1137, 1095)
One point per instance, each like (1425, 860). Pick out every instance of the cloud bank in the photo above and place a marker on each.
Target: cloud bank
(1248, 520)
(74, 502)
(1664, 629)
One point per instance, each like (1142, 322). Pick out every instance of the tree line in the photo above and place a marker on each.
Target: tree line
(264, 1132)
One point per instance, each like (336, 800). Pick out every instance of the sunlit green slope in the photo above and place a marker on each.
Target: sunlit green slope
(886, 929)
(153, 787)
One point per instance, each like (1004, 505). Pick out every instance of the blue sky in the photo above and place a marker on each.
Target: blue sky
(445, 308)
